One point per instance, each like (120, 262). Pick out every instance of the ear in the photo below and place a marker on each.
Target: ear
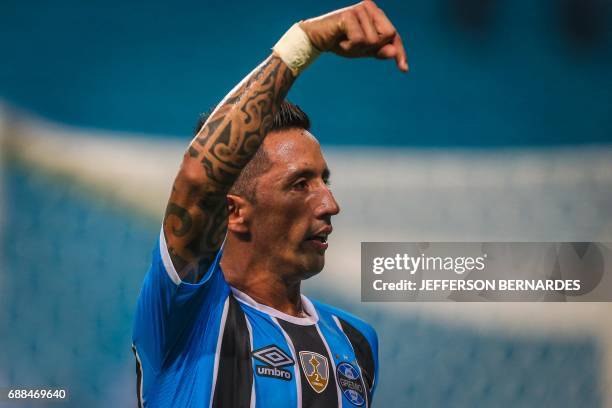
(239, 210)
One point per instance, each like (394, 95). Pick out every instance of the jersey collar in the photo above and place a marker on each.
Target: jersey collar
(312, 318)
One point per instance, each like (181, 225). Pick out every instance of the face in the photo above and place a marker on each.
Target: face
(291, 218)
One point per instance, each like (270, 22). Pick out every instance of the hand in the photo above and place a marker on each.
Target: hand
(362, 30)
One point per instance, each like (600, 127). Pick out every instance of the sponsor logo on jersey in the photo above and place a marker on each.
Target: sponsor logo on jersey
(273, 372)
(274, 358)
(349, 380)
(316, 370)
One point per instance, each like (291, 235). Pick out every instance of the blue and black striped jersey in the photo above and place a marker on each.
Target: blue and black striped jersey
(210, 345)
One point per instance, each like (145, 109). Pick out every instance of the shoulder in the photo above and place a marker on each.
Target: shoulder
(350, 322)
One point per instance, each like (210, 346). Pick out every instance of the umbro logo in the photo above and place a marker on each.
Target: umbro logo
(274, 358)
(273, 355)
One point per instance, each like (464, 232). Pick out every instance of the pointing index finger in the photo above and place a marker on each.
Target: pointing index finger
(400, 56)
(386, 30)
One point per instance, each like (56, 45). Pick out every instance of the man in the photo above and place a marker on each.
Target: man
(220, 319)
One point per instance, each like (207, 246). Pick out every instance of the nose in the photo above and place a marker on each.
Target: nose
(328, 205)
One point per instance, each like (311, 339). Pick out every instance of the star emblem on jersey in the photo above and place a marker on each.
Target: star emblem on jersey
(316, 370)
(350, 382)
(274, 358)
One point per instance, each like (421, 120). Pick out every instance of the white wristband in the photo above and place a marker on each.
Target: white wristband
(295, 49)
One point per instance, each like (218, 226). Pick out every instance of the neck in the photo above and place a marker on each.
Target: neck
(258, 279)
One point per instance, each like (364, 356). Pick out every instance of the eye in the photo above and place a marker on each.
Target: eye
(300, 185)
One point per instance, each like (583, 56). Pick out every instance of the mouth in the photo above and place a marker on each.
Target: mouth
(319, 239)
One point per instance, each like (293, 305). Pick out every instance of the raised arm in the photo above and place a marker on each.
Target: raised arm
(196, 216)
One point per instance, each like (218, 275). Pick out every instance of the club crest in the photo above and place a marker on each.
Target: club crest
(351, 384)
(316, 370)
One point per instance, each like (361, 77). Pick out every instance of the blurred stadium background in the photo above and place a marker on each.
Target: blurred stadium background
(501, 132)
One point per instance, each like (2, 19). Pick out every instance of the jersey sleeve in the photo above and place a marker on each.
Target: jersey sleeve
(168, 308)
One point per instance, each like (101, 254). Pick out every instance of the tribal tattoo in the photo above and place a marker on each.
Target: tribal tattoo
(195, 222)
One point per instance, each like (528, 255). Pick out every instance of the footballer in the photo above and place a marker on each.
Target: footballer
(221, 321)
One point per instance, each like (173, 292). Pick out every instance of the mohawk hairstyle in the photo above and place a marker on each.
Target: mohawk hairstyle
(288, 116)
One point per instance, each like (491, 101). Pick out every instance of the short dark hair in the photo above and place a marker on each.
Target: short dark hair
(288, 116)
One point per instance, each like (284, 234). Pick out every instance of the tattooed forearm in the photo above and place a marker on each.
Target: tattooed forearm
(236, 128)
(196, 216)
